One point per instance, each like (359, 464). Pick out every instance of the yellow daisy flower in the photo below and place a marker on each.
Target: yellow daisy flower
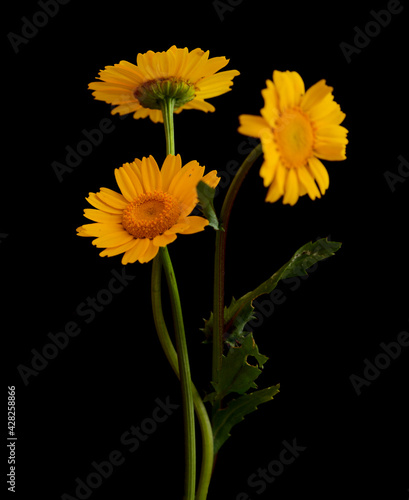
(154, 205)
(297, 128)
(189, 77)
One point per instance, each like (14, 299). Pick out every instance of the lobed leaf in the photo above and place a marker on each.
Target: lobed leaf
(224, 420)
(237, 375)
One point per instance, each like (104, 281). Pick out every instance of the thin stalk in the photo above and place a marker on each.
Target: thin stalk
(167, 106)
(171, 355)
(185, 379)
(220, 260)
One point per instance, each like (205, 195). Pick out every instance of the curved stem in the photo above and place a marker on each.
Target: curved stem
(220, 258)
(171, 355)
(185, 380)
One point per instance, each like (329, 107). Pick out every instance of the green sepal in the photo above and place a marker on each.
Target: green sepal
(237, 375)
(151, 93)
(224, 420)
(205, 193)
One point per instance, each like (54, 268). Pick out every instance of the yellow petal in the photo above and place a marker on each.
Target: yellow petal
(133, 70)
(101, 205)
(133, 174)
(253, 126)
(187, 180)
(281, 176)
(163, 239)
(290, 88)
(149, 254)
(110, 252)
(196, 224)
(125, 88)
(320, 173)
(198, 104)
(330, 151)
(215, 64)
(335, 133)
(307, 180)
(271, 161)
(99, 229)
(215, 85)
(170, 168)
(125, 184)
(136, 252)
(154, 114)
(166, 64)
(100, 216)
(112, 198)
(179, 227)
(314, 95)
(274, 192)
(113, 239)
(124, 109)
(150, 173)
(123, 71)
(334, 116)
(326, 112)
(197, 64)
(291, 188)
(181, 60)
(271, 110)
(144, 64)
(211, 179)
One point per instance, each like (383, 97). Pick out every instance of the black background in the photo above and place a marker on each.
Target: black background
(75, 410)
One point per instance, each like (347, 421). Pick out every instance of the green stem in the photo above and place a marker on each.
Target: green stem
(220, 258)
(185, 380)
(171, 355)
(167, 107)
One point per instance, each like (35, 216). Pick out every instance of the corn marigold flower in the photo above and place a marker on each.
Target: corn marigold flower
(297, 129)
(188, 77)
(153, 206)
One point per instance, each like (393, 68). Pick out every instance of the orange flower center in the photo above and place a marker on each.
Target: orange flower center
(151, 214)
(294, 135)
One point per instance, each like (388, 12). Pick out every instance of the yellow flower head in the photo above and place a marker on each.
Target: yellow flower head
(297, 128)
(154, 205)
(189, 77)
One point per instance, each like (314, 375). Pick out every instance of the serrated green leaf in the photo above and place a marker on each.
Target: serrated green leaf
(224, 420)
(208, 329)
(237, 375)
(206, 195)
(240, 311)
(308, 255)
(234, 325)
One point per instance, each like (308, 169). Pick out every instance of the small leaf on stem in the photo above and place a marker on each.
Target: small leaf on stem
(206, 194)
